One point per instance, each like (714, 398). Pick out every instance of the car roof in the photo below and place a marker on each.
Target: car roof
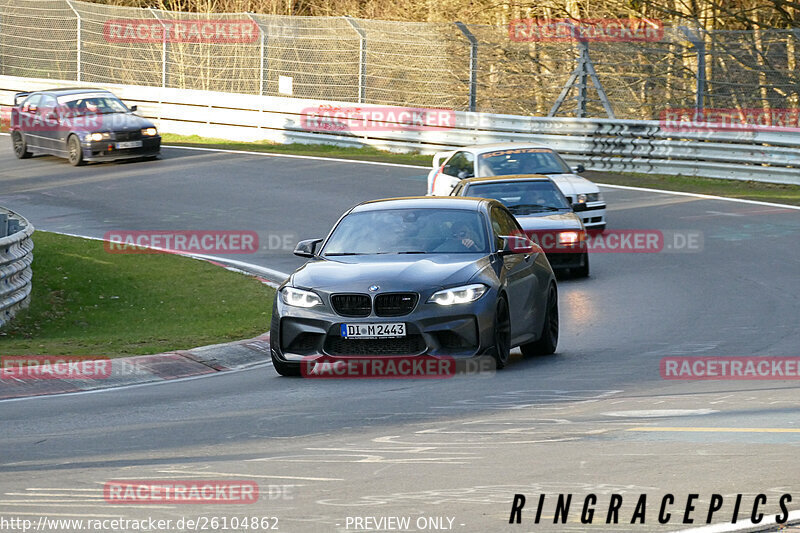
(72, 90)
(509, 177)
(504, 146)
(418, 202)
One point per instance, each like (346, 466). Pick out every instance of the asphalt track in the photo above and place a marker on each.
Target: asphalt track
(595, 418)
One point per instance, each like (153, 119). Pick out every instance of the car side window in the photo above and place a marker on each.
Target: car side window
(48, 104)
(31, 102)
(503, 223)
(461, 165)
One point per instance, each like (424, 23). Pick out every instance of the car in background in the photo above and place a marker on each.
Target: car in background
(415, 277)
(544, 214)
(487, 160)
(81, 125)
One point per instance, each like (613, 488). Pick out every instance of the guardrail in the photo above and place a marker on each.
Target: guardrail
(599, 144)
(16, 247)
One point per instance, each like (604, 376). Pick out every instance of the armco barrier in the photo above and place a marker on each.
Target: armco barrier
(597, 143)
(16, 247)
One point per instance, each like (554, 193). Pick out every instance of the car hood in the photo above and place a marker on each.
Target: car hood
(111, 122)
(549, 221)
(572, 184)
(389, 272)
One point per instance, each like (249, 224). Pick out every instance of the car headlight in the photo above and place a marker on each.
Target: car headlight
(458, 295)
(569, 237)
(98, 136)
(299, 297)
(150, 132)
(594, 197)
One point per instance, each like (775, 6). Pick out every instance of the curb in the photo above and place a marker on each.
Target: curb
(141, 369)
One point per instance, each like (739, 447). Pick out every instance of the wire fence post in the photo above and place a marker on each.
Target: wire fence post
(473, 65)
(261, 53)
(362, 59)
(79, 37)
(700, 49)
(583, 72)
(163, 47)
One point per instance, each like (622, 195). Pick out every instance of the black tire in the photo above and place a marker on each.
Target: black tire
(582, 271)
(548, 340)
(20, 146)
(502, 334)
(74, 151)
(285, 368)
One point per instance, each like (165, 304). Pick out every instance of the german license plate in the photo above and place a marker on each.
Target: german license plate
(129, 144)
(373, 331)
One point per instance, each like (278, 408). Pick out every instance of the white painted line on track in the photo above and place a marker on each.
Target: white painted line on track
(702, 196)
(295, 156)
(400, 165)
(137, 385)
(724, 528)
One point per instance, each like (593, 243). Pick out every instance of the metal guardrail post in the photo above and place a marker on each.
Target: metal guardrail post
(473, 65)
(700, 49)
(79, 77)
(261, 54)
(362, 59)
(163, 47)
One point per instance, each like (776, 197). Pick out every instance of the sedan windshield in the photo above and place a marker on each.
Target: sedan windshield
(522, 196)
(521, 161)
(91, 103)
(408, 231)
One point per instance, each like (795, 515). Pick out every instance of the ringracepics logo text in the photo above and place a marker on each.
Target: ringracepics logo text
(182, 241)
(646, 509)
(349, 119)
(181, 31)
(596, 29)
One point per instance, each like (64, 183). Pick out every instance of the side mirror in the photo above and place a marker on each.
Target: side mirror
(515, 244)
(307, 248)
(579, 169)
(134, 108)
(33, 109)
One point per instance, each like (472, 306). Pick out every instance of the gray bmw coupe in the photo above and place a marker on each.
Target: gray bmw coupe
(425, 276)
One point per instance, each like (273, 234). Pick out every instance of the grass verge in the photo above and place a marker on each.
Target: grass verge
(87, 301)
(751, 190)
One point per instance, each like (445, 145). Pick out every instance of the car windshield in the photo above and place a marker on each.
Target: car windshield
(92, 103)
(521, 161)
(521, 196)
(408, 231)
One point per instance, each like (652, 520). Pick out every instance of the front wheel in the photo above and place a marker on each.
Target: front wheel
(502, 334)
(548, 340)
(75, 151)
(20, 146)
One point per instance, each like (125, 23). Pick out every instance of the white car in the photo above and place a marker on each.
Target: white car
(486, 160)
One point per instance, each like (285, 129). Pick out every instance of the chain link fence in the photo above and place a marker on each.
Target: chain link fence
(456, 66)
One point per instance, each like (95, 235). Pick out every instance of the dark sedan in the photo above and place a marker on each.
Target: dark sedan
(542, 211)
(417, 277)
(81, 125)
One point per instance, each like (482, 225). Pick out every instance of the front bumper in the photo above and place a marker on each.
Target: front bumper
(593, 215)
(462, 331)
(107, 151)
